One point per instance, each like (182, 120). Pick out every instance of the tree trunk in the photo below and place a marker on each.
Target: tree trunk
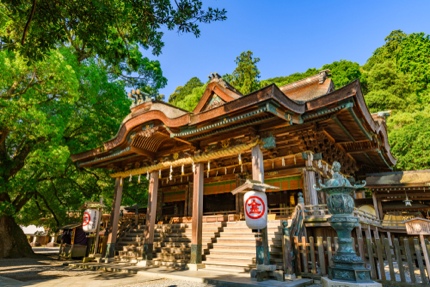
(13, 242)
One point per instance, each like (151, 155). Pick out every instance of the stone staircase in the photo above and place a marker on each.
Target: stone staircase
(130, 244)
(172, 243)
(235, 249)
(226, 246)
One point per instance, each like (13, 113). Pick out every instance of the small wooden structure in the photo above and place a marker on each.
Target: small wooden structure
(68, 249)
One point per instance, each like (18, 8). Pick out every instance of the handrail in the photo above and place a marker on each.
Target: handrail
(321, 210)
(282, 211)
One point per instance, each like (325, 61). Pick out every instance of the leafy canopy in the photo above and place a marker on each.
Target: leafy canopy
(245, 77)
(65, 66)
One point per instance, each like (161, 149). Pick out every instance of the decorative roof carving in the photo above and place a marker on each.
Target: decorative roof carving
(138, 97)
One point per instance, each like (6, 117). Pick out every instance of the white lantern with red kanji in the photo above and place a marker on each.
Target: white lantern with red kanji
(90, 220)
(255, 206)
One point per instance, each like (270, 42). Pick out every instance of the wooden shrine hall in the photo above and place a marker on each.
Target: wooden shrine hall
(283, 136)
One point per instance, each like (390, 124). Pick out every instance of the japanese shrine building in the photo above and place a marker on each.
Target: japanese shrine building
(284, 136)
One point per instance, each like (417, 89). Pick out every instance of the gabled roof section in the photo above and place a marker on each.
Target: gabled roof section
(217, 93)
(402, 178)
(309, 88)
(143, 114)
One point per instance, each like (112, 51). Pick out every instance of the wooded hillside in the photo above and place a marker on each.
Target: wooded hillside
(395, 78)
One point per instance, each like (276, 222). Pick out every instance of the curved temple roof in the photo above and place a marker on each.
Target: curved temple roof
(308, 115)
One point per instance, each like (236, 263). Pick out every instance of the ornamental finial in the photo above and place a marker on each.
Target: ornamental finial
(337, 180)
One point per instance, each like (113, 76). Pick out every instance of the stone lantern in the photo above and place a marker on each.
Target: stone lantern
(347, 266)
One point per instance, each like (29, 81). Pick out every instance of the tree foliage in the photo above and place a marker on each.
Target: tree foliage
(65, 66)
(245, 77)
(181, 92)
(397, 77)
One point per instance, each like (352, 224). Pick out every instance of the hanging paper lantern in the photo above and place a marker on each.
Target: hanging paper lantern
(240, 158)
(130, 178)
(255, 206)
(138, 179)
(90, 220)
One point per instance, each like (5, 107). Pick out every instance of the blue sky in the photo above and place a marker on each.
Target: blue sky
(288, 36)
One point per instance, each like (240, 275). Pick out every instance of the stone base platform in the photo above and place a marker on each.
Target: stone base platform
(335, 283)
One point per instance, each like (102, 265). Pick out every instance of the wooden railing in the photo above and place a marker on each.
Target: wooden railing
(394, 259)
(321, 211)
(284, 212)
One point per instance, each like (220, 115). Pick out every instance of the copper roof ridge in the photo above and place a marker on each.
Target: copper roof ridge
(306, 81)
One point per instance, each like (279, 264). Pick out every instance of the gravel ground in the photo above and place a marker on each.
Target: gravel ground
(37, 268)
(168, 283)
(44, 270)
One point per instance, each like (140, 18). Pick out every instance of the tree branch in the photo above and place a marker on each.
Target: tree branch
(27, 25)
(49, 208)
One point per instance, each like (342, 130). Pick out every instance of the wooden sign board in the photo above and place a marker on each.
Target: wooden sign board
(418, 226)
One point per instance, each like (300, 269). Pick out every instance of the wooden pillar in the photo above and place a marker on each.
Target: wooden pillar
(110, 249)
(187, 201)
(309, 180)
(257, 164)
(258, 174)
(151, 214)
(360, 241)
(378, 206)
(196, 237)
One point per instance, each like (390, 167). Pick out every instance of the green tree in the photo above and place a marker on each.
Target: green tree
(109, 29)
(182, 91)
(245, 77)
(191, 100)
(44, 118)
(343, 72)
(64, 69)
(397, 77)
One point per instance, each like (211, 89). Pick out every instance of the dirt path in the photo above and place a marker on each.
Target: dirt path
(39, 268)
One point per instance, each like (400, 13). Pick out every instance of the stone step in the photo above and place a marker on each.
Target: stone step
(228, 268)
(172, 244)
(181, 264)
(174, 250)
(236, 247)
(235, 241)
(132, 248)
(245, 262)
(231, 255)
(173, 257)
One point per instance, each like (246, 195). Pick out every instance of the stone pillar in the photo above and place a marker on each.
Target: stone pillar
(111, 241)
(151, 213)
(196, 238)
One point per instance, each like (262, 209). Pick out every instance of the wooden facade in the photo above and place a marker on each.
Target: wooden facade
(195, 159)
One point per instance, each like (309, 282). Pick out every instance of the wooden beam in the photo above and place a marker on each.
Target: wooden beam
(143, 152)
